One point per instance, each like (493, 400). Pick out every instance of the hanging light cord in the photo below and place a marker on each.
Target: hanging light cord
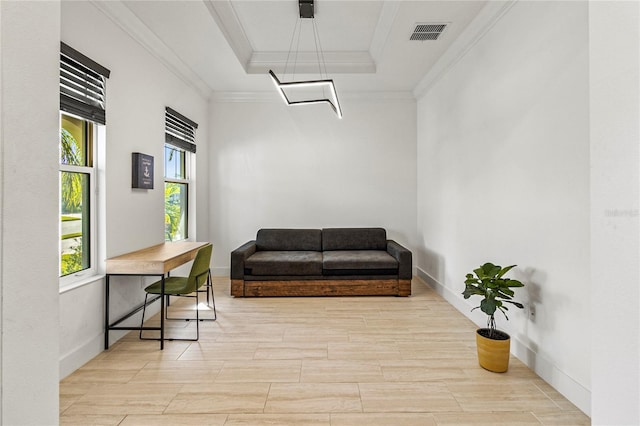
(297, 31)
(324, 82)
(320, 53)
(297, 28)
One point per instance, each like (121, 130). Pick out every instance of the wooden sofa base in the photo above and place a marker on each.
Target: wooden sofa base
(392, 287)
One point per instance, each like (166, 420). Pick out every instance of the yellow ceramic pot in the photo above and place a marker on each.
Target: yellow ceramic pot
(493, 354)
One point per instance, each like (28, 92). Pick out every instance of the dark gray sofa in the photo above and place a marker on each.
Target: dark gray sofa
(321, 262)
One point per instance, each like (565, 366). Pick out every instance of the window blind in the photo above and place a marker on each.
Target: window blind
(179, 130)
(82, 85)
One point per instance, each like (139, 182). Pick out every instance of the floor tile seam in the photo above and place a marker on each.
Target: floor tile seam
(360, 398)
(446, 383)
(178, 392)
(224, 363)
(61, 413)
(266, 399)
(123, 419)
(536, 417)
(183, 352)
(549, 397)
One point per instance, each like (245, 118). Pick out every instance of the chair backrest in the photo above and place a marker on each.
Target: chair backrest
(199, 269)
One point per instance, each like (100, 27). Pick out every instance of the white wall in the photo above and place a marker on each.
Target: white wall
(137, 92)
(503, 176)
(29, 100)
(615, 218)
(296, 167)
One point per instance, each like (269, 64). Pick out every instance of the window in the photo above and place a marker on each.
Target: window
(76, 186)
(176, 194)
(179, 159)
(82, 105)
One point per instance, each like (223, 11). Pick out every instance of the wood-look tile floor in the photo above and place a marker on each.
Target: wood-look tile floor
(311, 361)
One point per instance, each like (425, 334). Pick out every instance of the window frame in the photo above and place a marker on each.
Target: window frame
(188, 181)
(180, 136)
(90, 170)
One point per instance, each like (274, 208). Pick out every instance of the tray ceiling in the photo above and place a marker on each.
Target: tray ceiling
(228, 45)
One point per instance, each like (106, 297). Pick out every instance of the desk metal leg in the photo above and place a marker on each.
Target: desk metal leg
(106, 313)
(162, 308)
(108, 326)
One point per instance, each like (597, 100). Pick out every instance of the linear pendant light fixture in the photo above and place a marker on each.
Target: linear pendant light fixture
(328, 84)
(329, 94)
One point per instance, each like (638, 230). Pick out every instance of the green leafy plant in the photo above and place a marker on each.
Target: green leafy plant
(495, 290)
(172, 210)
(71, 262)
(71, 182)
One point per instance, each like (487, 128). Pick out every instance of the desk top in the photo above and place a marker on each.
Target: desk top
(156, 260)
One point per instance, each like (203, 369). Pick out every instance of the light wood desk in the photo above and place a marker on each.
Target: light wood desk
(152, 261)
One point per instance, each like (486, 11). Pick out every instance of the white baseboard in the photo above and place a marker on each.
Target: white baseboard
(84, 353)
(567, 386)
(81, 355)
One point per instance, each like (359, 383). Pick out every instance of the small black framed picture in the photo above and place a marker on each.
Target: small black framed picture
(141, 171)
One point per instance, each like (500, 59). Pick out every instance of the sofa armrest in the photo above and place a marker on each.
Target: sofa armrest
(238, 257)
(403, 256)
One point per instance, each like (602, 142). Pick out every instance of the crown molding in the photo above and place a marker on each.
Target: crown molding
(225, 16)
(307, 63)
(122, 16)
(258, 62)
(492, 12)
(273, 97)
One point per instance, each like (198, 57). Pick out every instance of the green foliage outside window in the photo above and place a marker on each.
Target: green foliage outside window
(175, 211)
(74, 203)
(175, 194)
(71, 185)
(71, 262)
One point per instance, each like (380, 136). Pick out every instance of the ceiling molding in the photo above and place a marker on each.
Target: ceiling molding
(227, 20)
(258, 62)
(122, 16)
(492, 12)
(383, 28)
(273, 97)
(307, 63)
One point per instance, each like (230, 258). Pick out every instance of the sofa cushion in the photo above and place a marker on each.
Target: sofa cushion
(363, 260)
(289, 239)
(354, 239)
(284, 263)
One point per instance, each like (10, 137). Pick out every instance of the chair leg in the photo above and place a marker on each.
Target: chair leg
(188, 319)
(166, 310)
(197, 318)
(208, 286)
(213, 298)
(215, 316)
(144, 308)
(208, 289)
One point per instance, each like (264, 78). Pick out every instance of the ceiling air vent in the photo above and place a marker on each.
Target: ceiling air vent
(424, 32)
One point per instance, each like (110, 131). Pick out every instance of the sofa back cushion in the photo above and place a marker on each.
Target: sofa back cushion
(289, 239)
(354, 239)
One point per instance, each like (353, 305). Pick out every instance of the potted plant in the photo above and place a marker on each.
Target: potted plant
(496, 292)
